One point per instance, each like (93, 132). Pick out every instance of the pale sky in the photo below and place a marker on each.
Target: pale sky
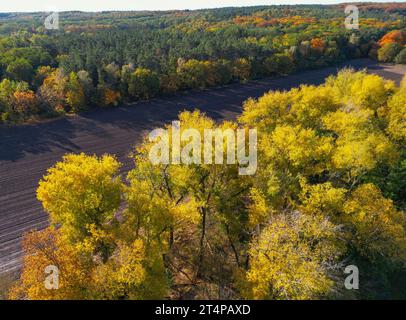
(99, 5)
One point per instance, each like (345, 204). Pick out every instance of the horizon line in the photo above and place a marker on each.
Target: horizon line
(206, 8)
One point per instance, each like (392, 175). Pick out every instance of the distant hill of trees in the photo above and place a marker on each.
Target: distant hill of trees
(103, 59)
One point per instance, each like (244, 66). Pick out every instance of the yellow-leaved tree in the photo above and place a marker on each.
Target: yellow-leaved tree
(323, 151)
(292, 258)
(94, 259)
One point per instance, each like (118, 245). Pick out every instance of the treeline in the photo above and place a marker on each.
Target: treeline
(329, 192)
(393, 47)
(103, 59)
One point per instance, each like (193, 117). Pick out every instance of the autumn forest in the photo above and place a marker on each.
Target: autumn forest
(330, 187)
(99, 60)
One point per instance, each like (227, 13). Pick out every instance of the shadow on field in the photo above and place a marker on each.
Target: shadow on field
(74, 134)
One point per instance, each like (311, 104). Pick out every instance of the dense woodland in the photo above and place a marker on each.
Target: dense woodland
(329, 192)
(98, 60)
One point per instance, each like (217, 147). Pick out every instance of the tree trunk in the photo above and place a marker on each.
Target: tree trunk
(202, 237)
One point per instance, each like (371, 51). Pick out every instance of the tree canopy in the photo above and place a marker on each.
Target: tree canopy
(329, 192)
